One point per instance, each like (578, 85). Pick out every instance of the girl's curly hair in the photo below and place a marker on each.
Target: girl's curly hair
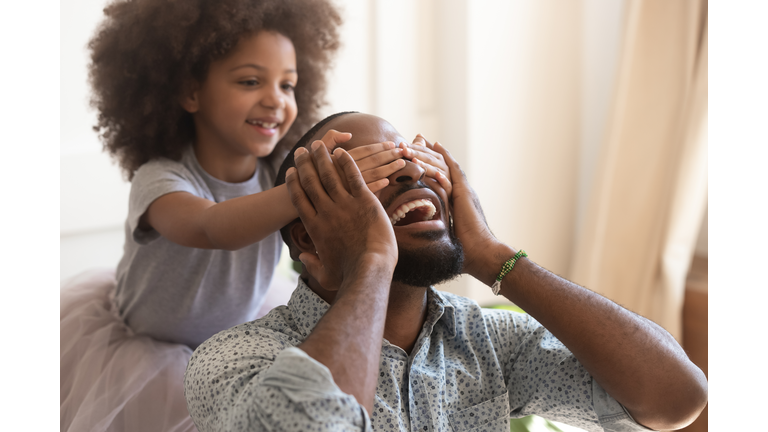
(146, 52)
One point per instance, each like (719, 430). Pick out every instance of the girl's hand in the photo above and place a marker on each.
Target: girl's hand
(376, 161)
(422, 152)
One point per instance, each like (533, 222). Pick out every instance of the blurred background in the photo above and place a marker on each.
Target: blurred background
(582, 126)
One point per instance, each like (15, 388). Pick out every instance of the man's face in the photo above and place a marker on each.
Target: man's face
(429, 253)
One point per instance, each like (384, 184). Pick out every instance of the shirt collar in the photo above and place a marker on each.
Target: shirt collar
(441, 310)
(307, 308)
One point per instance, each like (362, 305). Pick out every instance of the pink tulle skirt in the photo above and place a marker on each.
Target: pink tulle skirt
(112, 379)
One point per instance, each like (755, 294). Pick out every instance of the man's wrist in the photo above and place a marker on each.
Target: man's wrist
(491, 262)
(374, 262)
(369, 269)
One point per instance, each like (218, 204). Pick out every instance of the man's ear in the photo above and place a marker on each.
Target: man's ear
(302, 242)
(189, 99)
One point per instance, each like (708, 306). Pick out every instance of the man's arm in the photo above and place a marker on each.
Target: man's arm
(347, 340)
(637, 362)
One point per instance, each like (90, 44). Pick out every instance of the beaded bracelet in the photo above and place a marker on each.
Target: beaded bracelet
(506, 268)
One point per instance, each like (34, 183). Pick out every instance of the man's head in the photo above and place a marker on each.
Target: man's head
(429, 253)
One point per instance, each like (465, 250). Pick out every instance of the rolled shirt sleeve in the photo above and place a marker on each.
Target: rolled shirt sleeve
(230, 389)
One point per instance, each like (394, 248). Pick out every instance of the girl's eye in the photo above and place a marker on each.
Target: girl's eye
(249, 83)
(288, 87)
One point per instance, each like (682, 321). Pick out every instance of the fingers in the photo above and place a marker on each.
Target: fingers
(428, 156)
(332, 138)
(453, 166)
(352, 173)
(377, 185)
(307, 177)
(446, 184)
(429, 170)
(422, 141)
(362, 152)
(383, 172)
(317, 182)
(378, 159)
(326, 170)
(298, 197)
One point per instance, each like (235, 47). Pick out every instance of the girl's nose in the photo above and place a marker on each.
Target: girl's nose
(410, 173)
(272, 98)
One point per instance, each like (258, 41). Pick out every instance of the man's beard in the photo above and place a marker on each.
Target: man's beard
(439, 262)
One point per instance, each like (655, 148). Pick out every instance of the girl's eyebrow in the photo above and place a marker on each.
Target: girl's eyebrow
(260, 68)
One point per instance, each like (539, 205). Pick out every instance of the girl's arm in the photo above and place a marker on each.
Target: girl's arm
(196, 222)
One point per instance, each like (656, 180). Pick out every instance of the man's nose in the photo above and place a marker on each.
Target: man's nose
(410, 173)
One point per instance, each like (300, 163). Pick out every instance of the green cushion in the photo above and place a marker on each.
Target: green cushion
(534, 423)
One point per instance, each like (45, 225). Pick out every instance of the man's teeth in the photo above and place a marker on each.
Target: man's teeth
(265, 125)
(407, 207)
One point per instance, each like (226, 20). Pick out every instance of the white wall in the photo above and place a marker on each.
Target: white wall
(94, 197)
(518, 91)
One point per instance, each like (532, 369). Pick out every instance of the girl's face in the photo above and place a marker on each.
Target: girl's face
(246, 104)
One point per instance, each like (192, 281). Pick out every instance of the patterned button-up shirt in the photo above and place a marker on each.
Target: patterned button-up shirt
(471, 369)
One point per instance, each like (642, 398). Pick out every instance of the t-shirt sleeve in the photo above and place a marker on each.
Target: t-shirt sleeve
(544, 378)
(151, 181)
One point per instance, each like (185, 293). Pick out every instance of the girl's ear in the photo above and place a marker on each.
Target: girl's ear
(189, 99)
(302, 242)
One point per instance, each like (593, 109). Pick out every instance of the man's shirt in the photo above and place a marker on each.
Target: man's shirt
(470, 369)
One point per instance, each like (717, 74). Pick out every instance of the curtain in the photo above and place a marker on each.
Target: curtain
(647, 202)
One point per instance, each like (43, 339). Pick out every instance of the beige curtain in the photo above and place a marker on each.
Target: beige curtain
(650, 190)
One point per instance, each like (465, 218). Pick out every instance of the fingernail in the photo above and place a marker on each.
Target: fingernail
(338, 151)
(400, 163)
(299, 151)
(316, 144)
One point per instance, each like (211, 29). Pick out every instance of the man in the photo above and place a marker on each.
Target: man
(365, 343)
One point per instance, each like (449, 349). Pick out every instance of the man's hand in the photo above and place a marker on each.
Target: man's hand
(375, 161)
(348, 227)
(469, 221)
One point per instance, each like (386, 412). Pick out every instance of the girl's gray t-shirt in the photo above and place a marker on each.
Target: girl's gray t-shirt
(185, 295)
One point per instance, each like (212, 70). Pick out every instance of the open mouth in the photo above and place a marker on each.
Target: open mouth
(419, 210)
(265, 125)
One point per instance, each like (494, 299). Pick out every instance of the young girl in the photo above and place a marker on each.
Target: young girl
(199, 101)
